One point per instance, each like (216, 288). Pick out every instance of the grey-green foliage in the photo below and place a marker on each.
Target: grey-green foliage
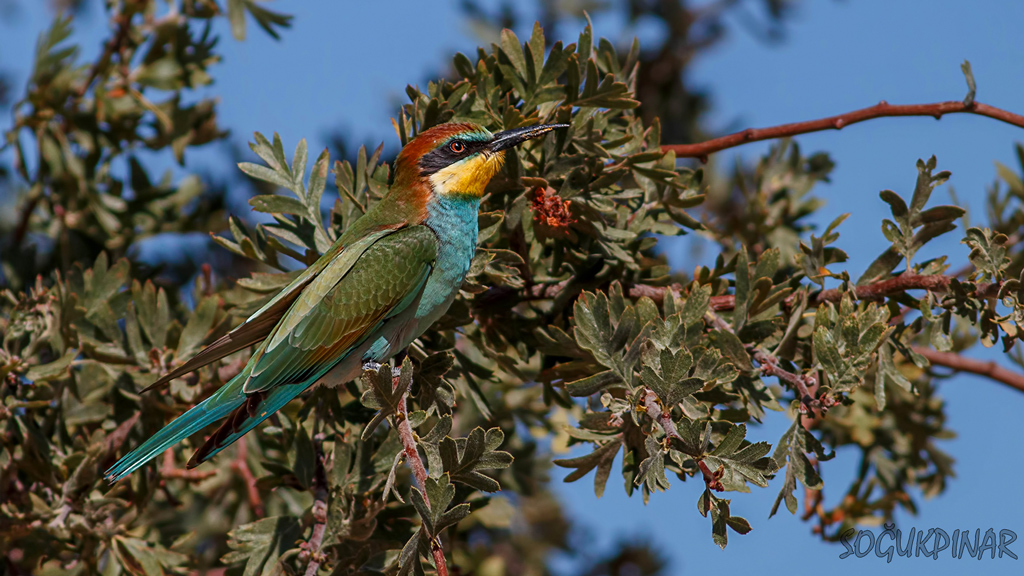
(571, 326)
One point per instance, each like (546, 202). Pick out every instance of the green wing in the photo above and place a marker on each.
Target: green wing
(342, 307)
(338, 259)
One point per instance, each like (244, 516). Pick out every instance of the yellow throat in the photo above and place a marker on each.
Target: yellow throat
(468, 177)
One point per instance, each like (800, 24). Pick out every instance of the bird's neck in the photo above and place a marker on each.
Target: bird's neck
(455, 221)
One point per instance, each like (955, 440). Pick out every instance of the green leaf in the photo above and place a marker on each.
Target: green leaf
(593, 384)
(304, 458)
(266, 174)
(198, 327)
(972, 88)
(652, 469)
(53, 370)
(670, 379)
(141, 558)
(462, 458)
(274, 204)
(989, 252)
(732, 348)
(49, 56)
(383, 393)
(260, 544)
(601, 459)
(513, 49)
(268, 20)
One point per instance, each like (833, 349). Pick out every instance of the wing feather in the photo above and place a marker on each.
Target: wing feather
(337, 313)
(259, 325)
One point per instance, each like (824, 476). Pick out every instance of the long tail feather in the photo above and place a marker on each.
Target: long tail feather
(243, 412)
(208, 411)
(257, 408)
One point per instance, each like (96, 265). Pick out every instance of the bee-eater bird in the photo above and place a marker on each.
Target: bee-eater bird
(387, 279)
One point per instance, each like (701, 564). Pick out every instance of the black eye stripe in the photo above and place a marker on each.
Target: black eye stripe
(443, 156)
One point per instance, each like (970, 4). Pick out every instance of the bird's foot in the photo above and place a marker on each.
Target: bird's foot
(372, 366)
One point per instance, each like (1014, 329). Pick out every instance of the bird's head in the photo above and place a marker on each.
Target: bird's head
(458, 159)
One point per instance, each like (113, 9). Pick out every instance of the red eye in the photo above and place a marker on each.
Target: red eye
(457, 147)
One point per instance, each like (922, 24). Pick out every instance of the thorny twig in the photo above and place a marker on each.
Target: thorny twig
(883, 109)
(770, 367)
(320, 494)
(652, 405)
(412, 455)
(663, 417)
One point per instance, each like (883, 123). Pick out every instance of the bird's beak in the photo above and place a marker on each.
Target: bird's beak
(509, 138)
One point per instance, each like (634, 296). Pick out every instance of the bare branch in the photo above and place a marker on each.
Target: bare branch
(412, 455)
(938, 283)
(805, 384)
(241, 465)
(169, 471)
(883, 109)
(960, 363)
(664, 419)
(320, 494)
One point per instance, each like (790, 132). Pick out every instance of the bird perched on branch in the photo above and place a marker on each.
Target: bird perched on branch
(379, 287)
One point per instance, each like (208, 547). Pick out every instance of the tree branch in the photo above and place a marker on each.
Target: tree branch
(320, 494)
(240, 464)
(652, 405)
(938, 283)
(960, 363)
(169, 471)
(805, 384)
(664, 419)
(883, 109)
(123, 23)
(412, 454)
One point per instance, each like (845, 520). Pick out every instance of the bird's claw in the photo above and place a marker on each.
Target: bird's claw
(372, 366)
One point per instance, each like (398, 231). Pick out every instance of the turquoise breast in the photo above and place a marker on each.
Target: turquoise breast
(455, 221)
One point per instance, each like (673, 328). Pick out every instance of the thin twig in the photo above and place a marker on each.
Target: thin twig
(960, 363)
(439, 561)
(23, 220)
(713, 479)
(241, 465)
(938, 283)
(169, 471)
(320, 494)
(932, 282)
(114, 43)
(883, 109)
(664, 418)
(412, 455)
(805, 384)
(652, 405)
(657, 293)
(802, 382)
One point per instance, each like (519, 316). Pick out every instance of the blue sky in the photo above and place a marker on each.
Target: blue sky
(838, 56)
